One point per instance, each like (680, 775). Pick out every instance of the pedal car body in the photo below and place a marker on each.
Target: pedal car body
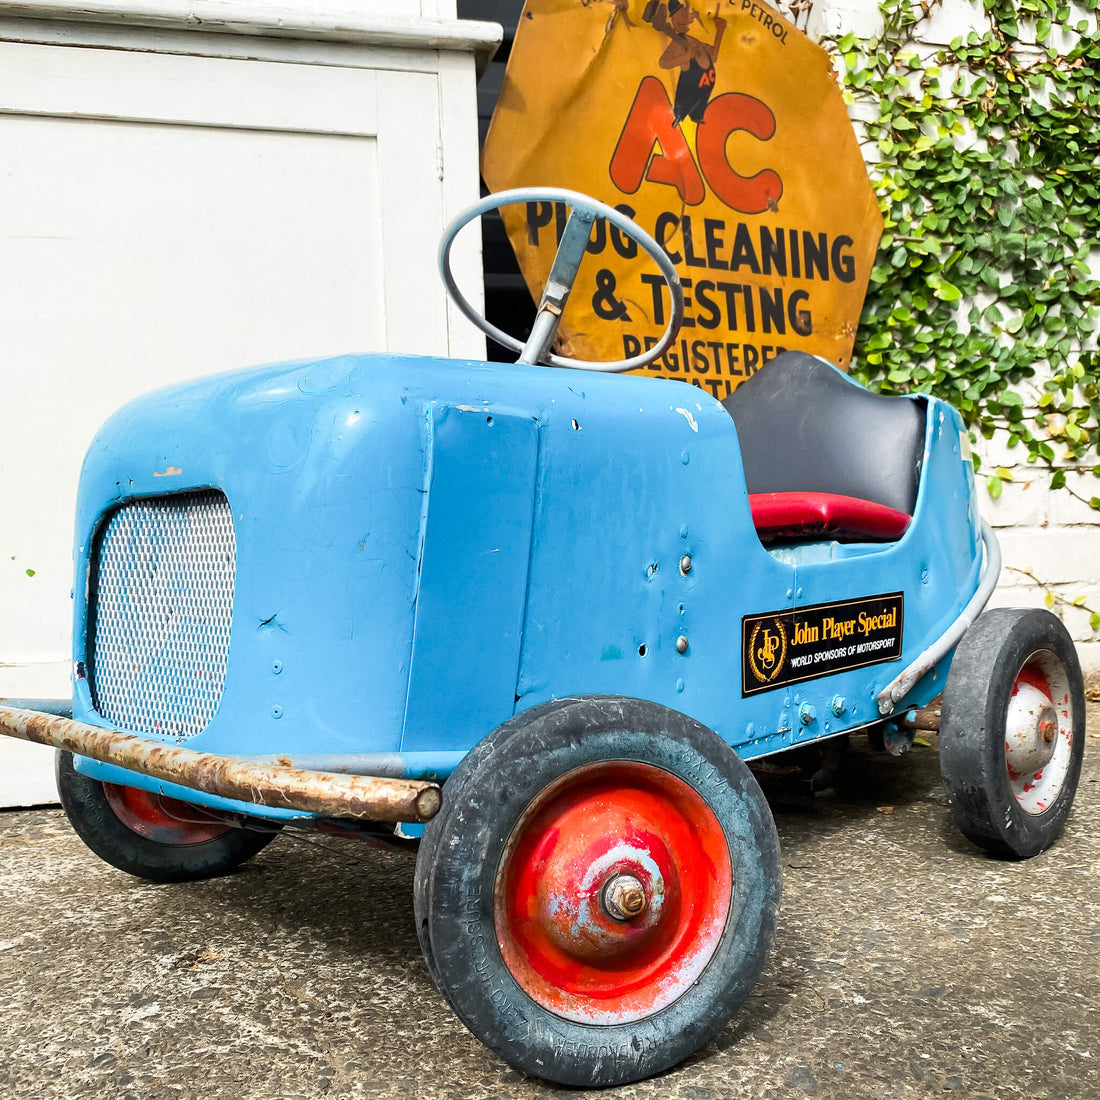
(417, 549)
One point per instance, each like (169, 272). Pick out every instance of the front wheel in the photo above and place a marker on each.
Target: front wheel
(1012, 732)
(149, 835)
(599, 893)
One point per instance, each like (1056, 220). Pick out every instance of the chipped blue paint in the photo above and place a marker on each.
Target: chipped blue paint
(425, 547)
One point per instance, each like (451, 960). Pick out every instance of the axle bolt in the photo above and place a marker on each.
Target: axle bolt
(624, 898)
(1048, 724)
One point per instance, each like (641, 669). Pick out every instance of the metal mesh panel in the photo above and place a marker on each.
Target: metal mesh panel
(162, 607)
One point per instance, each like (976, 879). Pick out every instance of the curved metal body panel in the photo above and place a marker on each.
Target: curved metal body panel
(425, 547)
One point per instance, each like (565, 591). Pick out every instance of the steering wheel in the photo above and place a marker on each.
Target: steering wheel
(583, 212)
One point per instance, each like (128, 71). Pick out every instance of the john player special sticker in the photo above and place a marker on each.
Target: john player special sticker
(787, 647)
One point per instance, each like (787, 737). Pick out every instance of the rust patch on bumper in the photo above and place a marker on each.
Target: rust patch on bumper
(365, 798)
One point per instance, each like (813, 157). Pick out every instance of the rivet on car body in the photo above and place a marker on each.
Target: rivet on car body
(276, 667)
(685, 564)
(682, 644)
(276, 711)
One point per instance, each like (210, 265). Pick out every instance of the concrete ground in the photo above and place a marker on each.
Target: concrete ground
(906, 964)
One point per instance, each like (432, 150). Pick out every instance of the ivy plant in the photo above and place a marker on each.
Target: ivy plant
(985, 159)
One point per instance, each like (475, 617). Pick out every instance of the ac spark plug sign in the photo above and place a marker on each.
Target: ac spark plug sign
(722, 131)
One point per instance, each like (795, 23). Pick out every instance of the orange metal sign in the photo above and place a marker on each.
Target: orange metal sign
(723, 132)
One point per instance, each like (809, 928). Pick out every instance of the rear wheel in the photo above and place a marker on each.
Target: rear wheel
(598, 896)
(1012, 732)
(152, 836)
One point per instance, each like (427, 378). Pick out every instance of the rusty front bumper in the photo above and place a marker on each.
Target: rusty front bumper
(363, 797)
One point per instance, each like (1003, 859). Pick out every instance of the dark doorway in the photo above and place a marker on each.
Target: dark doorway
(508, 304)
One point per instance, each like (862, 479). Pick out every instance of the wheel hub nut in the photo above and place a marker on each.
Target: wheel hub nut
(624, 898)
(1048, 724)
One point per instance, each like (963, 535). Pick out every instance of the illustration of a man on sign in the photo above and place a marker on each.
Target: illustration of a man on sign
(692, 56)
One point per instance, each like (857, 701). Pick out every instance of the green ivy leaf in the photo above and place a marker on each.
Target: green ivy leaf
(1016, 203)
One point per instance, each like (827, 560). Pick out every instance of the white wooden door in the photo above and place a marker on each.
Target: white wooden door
(164, 216)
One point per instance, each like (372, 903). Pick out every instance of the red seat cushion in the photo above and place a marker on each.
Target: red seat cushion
(786, 517)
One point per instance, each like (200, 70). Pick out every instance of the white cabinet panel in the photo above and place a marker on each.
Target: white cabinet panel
(165, 215)
(90, 83)
(132, 256)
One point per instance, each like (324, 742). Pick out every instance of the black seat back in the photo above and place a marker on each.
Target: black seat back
(804, 427)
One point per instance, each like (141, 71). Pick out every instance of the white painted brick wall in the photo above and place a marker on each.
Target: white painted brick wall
(1043, 532)
(1053, 554)
(1056, 538)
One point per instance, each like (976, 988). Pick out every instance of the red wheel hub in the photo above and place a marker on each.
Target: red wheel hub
(162, 819)
(571, 925)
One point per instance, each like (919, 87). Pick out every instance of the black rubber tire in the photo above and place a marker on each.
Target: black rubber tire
(979, 688)
(85, 804)
(429, 842)
(462, 849)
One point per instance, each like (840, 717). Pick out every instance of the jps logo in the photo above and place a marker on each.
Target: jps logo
(767, 650)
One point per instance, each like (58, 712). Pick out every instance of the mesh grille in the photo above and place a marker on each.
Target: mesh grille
(162, 607)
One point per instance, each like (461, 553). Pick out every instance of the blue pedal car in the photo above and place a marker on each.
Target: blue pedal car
(315, 594)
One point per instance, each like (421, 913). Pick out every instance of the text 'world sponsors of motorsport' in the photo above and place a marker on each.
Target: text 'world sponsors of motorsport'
(720, 129)
(787, 647)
